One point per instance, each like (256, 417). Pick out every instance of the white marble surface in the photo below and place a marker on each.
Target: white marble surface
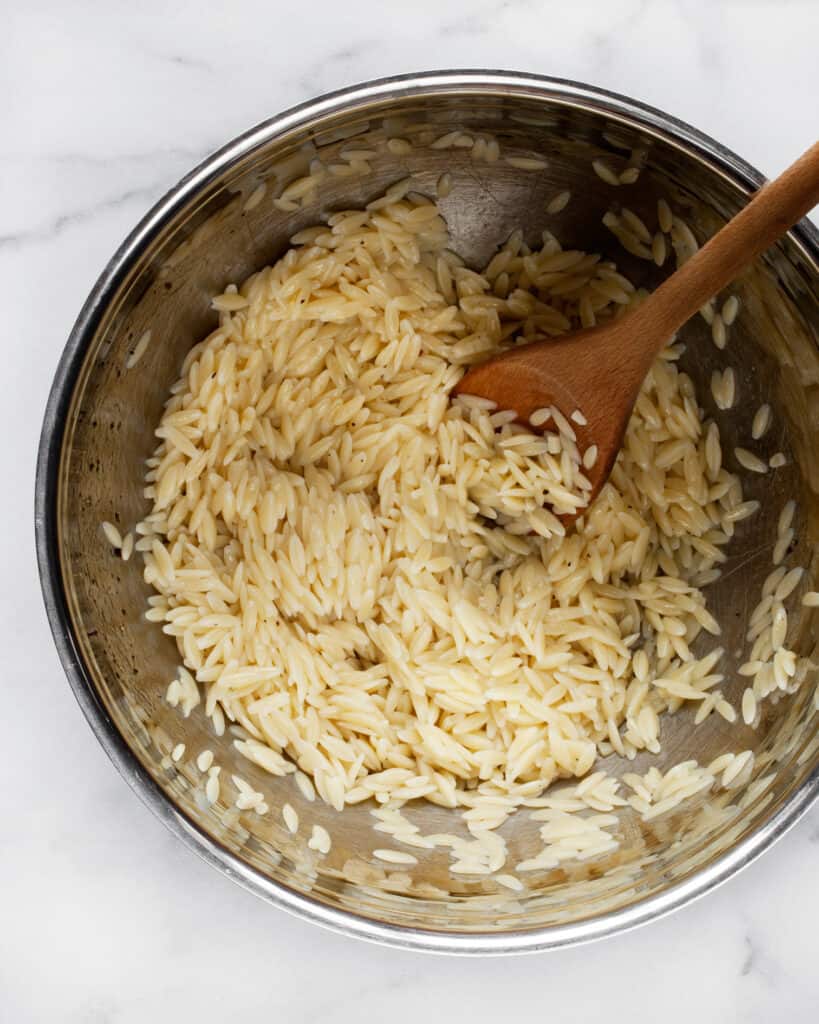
(104, 917)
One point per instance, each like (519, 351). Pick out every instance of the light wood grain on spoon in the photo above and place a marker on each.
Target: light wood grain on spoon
(600, 370)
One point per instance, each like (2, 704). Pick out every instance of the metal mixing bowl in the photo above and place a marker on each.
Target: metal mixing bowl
(99, 430)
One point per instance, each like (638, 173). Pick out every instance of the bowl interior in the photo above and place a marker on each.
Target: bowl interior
(224, 227)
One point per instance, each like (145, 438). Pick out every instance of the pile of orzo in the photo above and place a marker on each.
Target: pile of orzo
(371, 579)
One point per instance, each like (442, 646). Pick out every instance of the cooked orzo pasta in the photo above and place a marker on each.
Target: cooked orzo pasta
(371, 579)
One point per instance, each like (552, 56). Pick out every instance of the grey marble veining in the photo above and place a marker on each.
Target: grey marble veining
(106, 918)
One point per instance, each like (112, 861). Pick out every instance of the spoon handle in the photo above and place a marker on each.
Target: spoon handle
(777, 206)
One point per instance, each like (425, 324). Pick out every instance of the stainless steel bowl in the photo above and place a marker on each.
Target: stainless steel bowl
(98, 431)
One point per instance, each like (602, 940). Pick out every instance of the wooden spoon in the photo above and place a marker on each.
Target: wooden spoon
(599, 371)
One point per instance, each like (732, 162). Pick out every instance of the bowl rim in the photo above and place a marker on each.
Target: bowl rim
(425, 84)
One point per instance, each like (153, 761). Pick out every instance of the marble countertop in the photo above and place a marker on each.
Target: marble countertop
(105, 916)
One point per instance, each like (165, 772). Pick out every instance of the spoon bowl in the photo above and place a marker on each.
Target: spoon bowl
(575, 374)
